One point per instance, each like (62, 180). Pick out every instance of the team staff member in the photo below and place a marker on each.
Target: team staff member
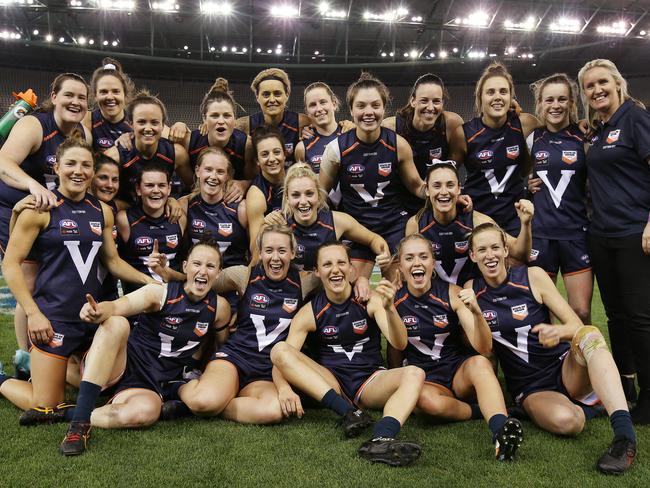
(493, 148)
(619, 234)
(550, 370)
(558, 183)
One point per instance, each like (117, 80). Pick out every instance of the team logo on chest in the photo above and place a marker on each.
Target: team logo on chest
(356, 169)
(201, 328)
(300, 251)
(491, 318)
(172, 240)
(198, 225)
(485, 155)
(225, 229)
(437, 248)
(435, 153)
(512, 152)
(330, 330)
(290, 304)
(172, 323)
(385, 169)
(411, 323)
(533, 254)
(96, 227)
(57, 340)
(461, 246)
(260, 301)
(143, 241)
(51, 161)
(569, 157)
(360, 326)
(440, 321)
(541, 157)
(288, 148)
(68, 227)
(519, 312)
(613, 136)
(104, 142)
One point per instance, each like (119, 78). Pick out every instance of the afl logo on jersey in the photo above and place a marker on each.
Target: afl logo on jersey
(485, 155)
(491, 318)
(569, 157)
(356, 169)
(385, 168)
(300, 251)
(435, 153)
(288, 148)
(143, 241)
(533, 254)
(461, 246)
(440, 321)
(96, 227)
(330, 330)
(201, 328)
(290, 305)
(68, 227)
(360, 326)
(225, 229)
(519, 312)
(104, 142)
(198, 224)
(512, 152)
(541, 157)
(436, 247)
(172, 323)
(260, 300)
(613, 136)
(172, 240)
(51, 160)
(411, 322)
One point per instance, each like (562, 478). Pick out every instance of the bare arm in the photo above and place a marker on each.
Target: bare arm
(457, 145)
(182, 166)
(222, 320)
(329, 166)
(382, 309)
(463, 302)
(250, 166)
(389, 123)
(255, 209)
(407, 170)
(234, 278)
(242, 123)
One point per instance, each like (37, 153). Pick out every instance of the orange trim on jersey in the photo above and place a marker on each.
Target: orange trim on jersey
(514, 128)
(575, 137)
(99, 123)
(577, 272)
(463, 225)
(516, 285)
(312, 143)
(198, 150)
(270, 197)
(387, 146)
(323, 310)
(54, 356)
(50, 135)
(293, 282)
(397, 302)
(228, 208)
(258, 278)
(231, 152)
(133, 160)
(480, 292)
(136, 222)
(476, 135)
(427, 227)
(59, 202)
(91, 204)
(174, 300)
(195, 203)
(165, 158)
(432, 296)
(290, 127)
(349, 149)
(366, 383)
(323, 224)
(210, 307)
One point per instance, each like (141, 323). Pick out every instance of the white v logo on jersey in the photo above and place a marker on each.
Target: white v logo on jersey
(497, 186)
(83, 266)
(521, 348)
(365, 195)
(166, 346)
(432, 352)
(453, 277)
(558, 191)
(264, 339)
(358, 347)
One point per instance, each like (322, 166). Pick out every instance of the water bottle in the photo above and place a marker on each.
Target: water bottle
(25, 103)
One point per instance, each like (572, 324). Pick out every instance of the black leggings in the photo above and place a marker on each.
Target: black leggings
(623, 274)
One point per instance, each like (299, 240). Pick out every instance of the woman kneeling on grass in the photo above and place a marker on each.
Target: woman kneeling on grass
(174, 322)
(550, 370)
(351, 365)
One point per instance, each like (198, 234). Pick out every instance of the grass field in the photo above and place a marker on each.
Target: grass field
(307, 452)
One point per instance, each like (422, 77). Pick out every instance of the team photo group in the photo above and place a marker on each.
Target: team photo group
(346, 258)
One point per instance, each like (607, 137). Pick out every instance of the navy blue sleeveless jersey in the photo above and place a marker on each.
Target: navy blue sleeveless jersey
(235, 149)
(39, 165)
(105, 133)
(289, 127)
(309, 238)
(369, 179)
(434, 332)
(109, 282)
(272, 193)
(132, 161)
(495, 158)
(349, 339)
(450, 245)
(144, 230)
(426, 147)
(559, 160)
(511, 311)
(220, 221)
(263, 318)
(69, 257)
(315, 147)
(619, 176)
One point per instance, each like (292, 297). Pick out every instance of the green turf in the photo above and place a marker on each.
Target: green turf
(308, 452)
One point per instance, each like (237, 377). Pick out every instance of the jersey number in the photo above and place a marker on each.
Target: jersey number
(264, 339)
(521, 348)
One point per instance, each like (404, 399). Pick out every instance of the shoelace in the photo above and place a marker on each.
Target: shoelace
(73, 437)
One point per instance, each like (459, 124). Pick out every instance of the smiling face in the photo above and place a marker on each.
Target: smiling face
(556, 105)
(416, 264)
(367, 109)
(106, 182)
(272, 97)
(489, 252)
(201, 270)
(496, 97)
(427, 103)
(212, 174)
(147, 124)
(153, 189)
(70, 102)
(443, 190)
(75, 170)
(109, 94)
(219, 119)
(302, 196)
(276, 254)
(333, 268)
(320, 107)
(601, 90)
(270, 157)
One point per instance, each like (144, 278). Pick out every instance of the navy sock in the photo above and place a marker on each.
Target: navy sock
(68, 413)
(171, 391)
(622, 424)
(336, 402)
(4, 377)
(386, 427)
(495, 423)
(476, 411)
(589, 411)
(86, 399)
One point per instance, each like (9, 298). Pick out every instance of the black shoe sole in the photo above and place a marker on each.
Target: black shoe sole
(68, 454)
(510, 440)
(357, 429)
(399, 453)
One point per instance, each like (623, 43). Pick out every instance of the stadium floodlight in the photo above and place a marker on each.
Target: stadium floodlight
(35, 32)
(414, 53)
(117, 4)
(416, 18)
(61, 39)
(48, 38)
(75, 3)
(527, 24)
(224, 49)
(114, 43)
(566, 25)
(432, 55)
(212, 49)
(244, 50)
(165, 6)
(478, 18)
(81, 40)
(455, 50)
(383, 55)
(476, 54)
(511, 50)
(395, 15)
(284, 11)
(642, 33)
(269, 51)
(91, 41)
(316, 53)
(28, 3)
(258, 50)
(278, 51)
(216, 8)
(443, 54)
(618, 28)
(105, 43)
(329, 12)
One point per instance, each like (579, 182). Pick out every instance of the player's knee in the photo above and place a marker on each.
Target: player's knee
(568, 421)
(117, 329)
(413, 376)
(587, 340)
(271, 413)
(143, 416)
(478, 365)
(205, 403)
(430, 403)
(280, 354)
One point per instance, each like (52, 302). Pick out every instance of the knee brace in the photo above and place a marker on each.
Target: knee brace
(586, 340)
